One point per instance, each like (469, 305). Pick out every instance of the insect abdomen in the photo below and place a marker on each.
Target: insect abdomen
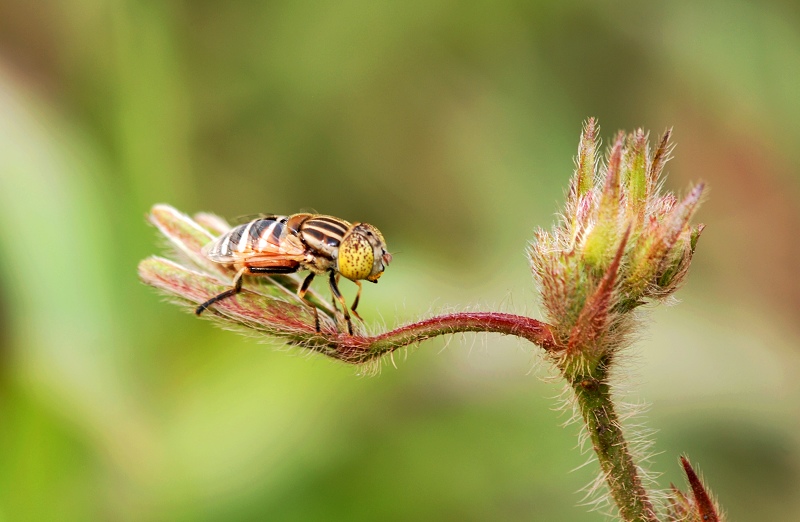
(256, 236)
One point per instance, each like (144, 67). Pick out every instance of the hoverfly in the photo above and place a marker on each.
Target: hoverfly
(287, 244)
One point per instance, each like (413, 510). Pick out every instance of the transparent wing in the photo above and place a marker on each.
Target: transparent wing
(263, 241)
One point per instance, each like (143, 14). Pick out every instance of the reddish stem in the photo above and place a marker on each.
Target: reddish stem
(357, 349)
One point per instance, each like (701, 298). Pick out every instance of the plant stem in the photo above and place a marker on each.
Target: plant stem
(593, 394)
(359, 349)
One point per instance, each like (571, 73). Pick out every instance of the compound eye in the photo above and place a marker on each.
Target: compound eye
(355, 257)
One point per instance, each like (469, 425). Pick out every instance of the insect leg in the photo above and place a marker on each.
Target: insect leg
(272, 270)
(355, 302)
(301, 292)
(338, 295)
(237, 287)
(333, 297)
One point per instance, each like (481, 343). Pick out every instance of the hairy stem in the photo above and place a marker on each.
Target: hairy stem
(358, 349)
(593, 394)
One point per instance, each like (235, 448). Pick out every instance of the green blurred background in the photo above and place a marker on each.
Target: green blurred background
(449, 125)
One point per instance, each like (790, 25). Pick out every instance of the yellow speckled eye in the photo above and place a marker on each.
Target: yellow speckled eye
(355, 257)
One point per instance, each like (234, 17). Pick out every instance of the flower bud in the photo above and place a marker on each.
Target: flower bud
(619, 244)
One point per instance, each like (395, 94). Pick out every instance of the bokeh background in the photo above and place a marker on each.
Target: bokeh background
(452, 127)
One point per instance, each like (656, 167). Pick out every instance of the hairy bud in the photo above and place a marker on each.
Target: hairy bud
(619, 244)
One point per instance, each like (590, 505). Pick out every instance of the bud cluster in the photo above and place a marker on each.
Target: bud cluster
(620, 242)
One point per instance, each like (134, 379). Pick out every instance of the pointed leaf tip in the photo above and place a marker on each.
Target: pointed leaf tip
(696, 232)
(697, 190)
(636, 174)
(184, 234)
(703, 503)
(586, 161)
(597, 248)
(614, 160)
(680, 215)
(661, 156)
(679, 507)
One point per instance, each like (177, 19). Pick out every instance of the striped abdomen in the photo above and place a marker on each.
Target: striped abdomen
(266, 235)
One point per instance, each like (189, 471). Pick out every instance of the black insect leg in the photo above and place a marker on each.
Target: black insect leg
(237, 287)
(338, 295)
(237, 283)
(335, 301)
(272, 270)
(301, 292)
